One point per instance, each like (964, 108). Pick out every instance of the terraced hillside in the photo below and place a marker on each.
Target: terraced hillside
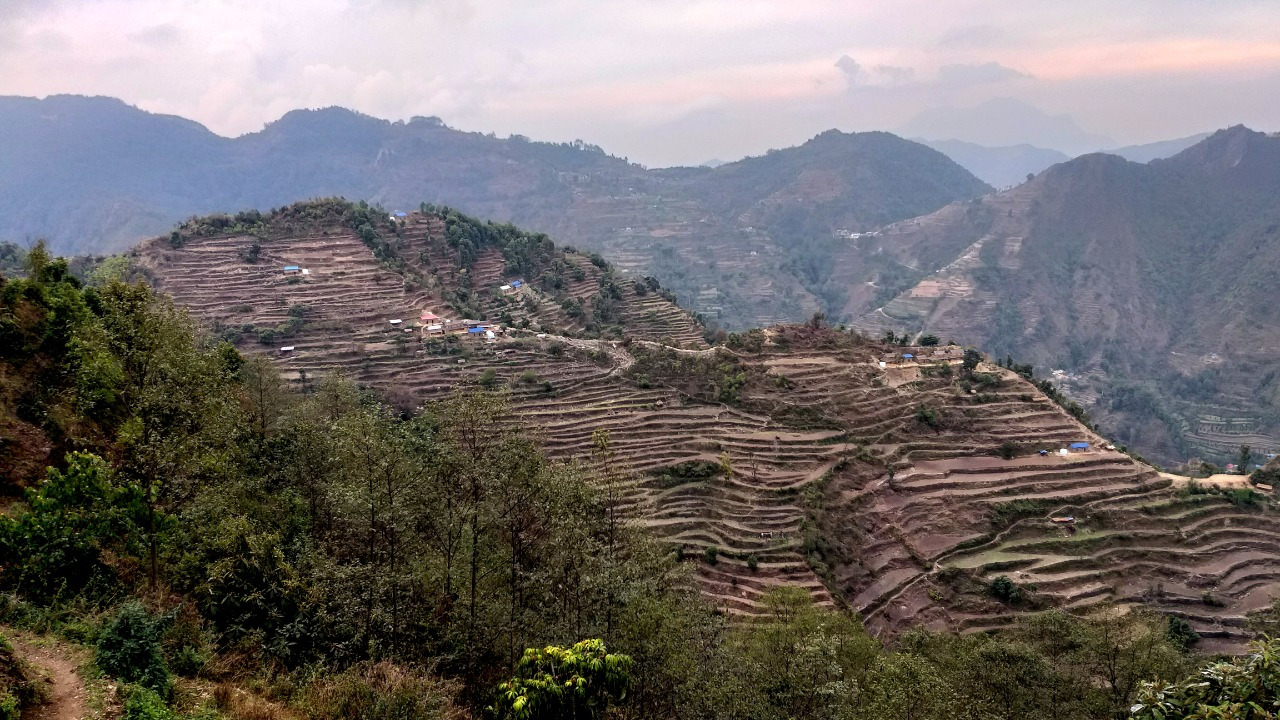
(786, 456)
(1137, 281)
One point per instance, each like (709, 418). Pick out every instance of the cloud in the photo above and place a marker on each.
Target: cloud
(972, 36)
(880, 75)
(957, 76)
(157, 35)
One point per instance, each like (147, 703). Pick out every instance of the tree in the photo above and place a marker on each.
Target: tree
(557, 683)
(1243, 688)
(1246, 457)
(929, 340)
(971, 359)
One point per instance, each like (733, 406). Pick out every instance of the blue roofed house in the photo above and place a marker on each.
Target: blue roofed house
(517, 284)
(908, 356)
(1079, 446)
(292, 270)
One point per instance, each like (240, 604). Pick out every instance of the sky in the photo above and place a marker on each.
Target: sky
(662, 82)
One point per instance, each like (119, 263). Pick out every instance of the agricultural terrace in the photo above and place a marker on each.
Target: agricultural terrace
(787, 456)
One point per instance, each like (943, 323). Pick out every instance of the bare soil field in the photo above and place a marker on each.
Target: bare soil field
(786, 457)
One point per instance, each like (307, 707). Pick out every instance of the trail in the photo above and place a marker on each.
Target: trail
(65, 689)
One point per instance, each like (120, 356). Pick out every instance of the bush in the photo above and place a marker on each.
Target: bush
(145, 704)
(711, 554)
(1005, 590)
(753, 563)
(1008, 450)
(1181, 633)
(129, 649)
(381, 691)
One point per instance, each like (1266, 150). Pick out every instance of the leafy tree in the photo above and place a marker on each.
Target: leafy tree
(1245, 688)
(1245, 458)
(556, 683)
(929, 340)
(971, 359)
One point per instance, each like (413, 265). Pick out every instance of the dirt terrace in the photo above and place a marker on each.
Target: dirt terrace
(880, 489)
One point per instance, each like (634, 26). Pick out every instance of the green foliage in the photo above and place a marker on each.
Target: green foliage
(1008, 450)
(129, 649)
(971, 359)
(143, 703)
(711, 554)
(930, 416)
(1181, 633)
(1246, 688)
(55, 547)
(929, 340)
(687, 472)
(1005, 590)
(1004, 513)
(555, 683)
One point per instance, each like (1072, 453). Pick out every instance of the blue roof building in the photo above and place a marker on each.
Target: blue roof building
(475, 330)
(288, 268)
(402, 214)
(517, 283)
(908, 356)
(1079, 446)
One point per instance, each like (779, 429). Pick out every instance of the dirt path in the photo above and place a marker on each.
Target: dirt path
(65, 689)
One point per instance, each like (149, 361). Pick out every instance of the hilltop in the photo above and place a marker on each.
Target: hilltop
(784, 457)
(745, 243)
(1148, 285)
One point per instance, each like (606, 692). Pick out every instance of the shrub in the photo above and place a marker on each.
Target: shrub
(928, 416)
(1181, 633)
(145, 704)
(1005, 590)
(381, 691)
(1008, 450)
(753, 563)
(488, 379)
(129, 649)
(711, 554)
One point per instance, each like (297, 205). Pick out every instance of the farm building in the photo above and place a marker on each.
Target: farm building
(1079, 446)
(433, 329)
(395, 323)
(507, 289)
(517, 284)
(908, 356)
(292, 270)
(286, 349)
(429, 317)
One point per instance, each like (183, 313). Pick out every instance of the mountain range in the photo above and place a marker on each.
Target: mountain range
(1150, 287)
(743, 243)
(1147, 284)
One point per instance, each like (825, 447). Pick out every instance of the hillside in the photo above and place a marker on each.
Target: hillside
(1150, 287)
(786, 457)
(744, 243)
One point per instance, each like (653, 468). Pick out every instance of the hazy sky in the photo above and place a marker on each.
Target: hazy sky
(660, 81)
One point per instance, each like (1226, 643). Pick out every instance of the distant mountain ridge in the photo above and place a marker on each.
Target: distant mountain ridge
(744, 243)
(1001, 122)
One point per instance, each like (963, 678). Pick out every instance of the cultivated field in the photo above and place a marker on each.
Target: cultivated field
(787, 457)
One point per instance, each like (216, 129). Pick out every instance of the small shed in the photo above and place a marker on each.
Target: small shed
(517, 284)
(1065, 520)
(435, 329)
(306, 271)
(1063, 452)
(475, 330)
(1079, 446)
(883, 364)
(395, 322)
(292, 270)
(488, 334)
(286, 349)
(506, 289)
(908, 356)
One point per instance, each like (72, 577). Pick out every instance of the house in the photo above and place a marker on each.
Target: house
(475, 331)
(306, 271)
(286, 349)
(506, 289)
(292, 270)
(395, 323)
(1079, 446)
(1065, 520)
(429, 317)
(517, 284)
(433, 329)
(908, 356)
